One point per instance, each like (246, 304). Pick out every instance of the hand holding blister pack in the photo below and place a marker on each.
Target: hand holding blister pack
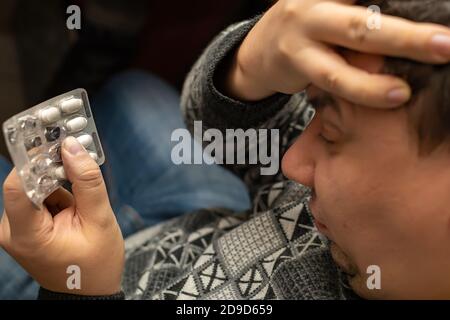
(34, 138)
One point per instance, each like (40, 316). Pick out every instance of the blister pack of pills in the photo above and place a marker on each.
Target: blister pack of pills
(34, 139)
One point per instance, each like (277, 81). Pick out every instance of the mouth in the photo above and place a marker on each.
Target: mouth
(321, 227)
(341, 259)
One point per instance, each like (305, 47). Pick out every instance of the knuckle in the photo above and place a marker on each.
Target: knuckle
(91, 178)
(12, 190)
(290, 9)
(284, 50)
(357, 29)
(329, 79)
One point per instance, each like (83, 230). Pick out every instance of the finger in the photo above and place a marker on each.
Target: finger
(22, 214)
(59, 200)
(88, 186)
(348, 26)
(330, 72)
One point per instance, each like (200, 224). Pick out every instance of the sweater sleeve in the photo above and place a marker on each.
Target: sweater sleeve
(203, 101)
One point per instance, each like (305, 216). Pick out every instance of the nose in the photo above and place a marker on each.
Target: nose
(299, 162)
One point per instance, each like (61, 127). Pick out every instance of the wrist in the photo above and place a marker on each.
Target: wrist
(241, 86)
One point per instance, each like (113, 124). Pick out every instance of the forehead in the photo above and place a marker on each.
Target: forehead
(360, 120)
(366, 62)
(369, 63)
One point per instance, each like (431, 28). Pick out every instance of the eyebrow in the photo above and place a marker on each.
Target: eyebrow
(325, 99)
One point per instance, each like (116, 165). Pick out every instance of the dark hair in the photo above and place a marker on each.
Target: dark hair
(431, 113)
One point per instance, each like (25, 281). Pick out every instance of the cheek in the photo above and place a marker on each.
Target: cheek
(351, 185)
(349, 200)
(336, 188)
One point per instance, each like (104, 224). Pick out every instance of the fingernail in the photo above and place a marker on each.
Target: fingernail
(441, 43)
(72, 145)
(398, 95)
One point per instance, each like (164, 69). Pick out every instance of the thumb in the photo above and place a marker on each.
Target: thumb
(88, 186)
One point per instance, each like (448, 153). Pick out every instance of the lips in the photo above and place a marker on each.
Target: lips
(321, 227)
(341, 259)
(315, 213)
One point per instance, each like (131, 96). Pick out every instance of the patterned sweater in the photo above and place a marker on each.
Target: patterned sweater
(270, 252)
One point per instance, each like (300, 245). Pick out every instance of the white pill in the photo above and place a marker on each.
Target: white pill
(94, 156)
(60, 173)
(86, 140)
(76, 124)
(71, 105)
(50, 115)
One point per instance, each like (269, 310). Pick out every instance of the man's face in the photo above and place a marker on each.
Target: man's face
(379, 201)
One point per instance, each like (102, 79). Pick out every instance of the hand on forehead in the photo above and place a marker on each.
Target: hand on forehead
(370, 63)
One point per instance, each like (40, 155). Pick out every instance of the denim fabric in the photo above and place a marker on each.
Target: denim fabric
(136, 114)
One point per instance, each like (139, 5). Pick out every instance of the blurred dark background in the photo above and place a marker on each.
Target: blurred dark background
(41, 58)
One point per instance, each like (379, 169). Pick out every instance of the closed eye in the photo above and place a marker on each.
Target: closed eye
(325, 139)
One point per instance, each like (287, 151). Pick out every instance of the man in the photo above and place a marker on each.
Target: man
(358, 169)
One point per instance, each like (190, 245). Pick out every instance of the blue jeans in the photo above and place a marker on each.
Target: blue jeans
(135, 115)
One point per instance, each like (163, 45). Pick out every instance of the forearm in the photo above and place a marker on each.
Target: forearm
(237, 82)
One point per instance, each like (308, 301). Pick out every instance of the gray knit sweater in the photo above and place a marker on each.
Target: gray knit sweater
(271, 252)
